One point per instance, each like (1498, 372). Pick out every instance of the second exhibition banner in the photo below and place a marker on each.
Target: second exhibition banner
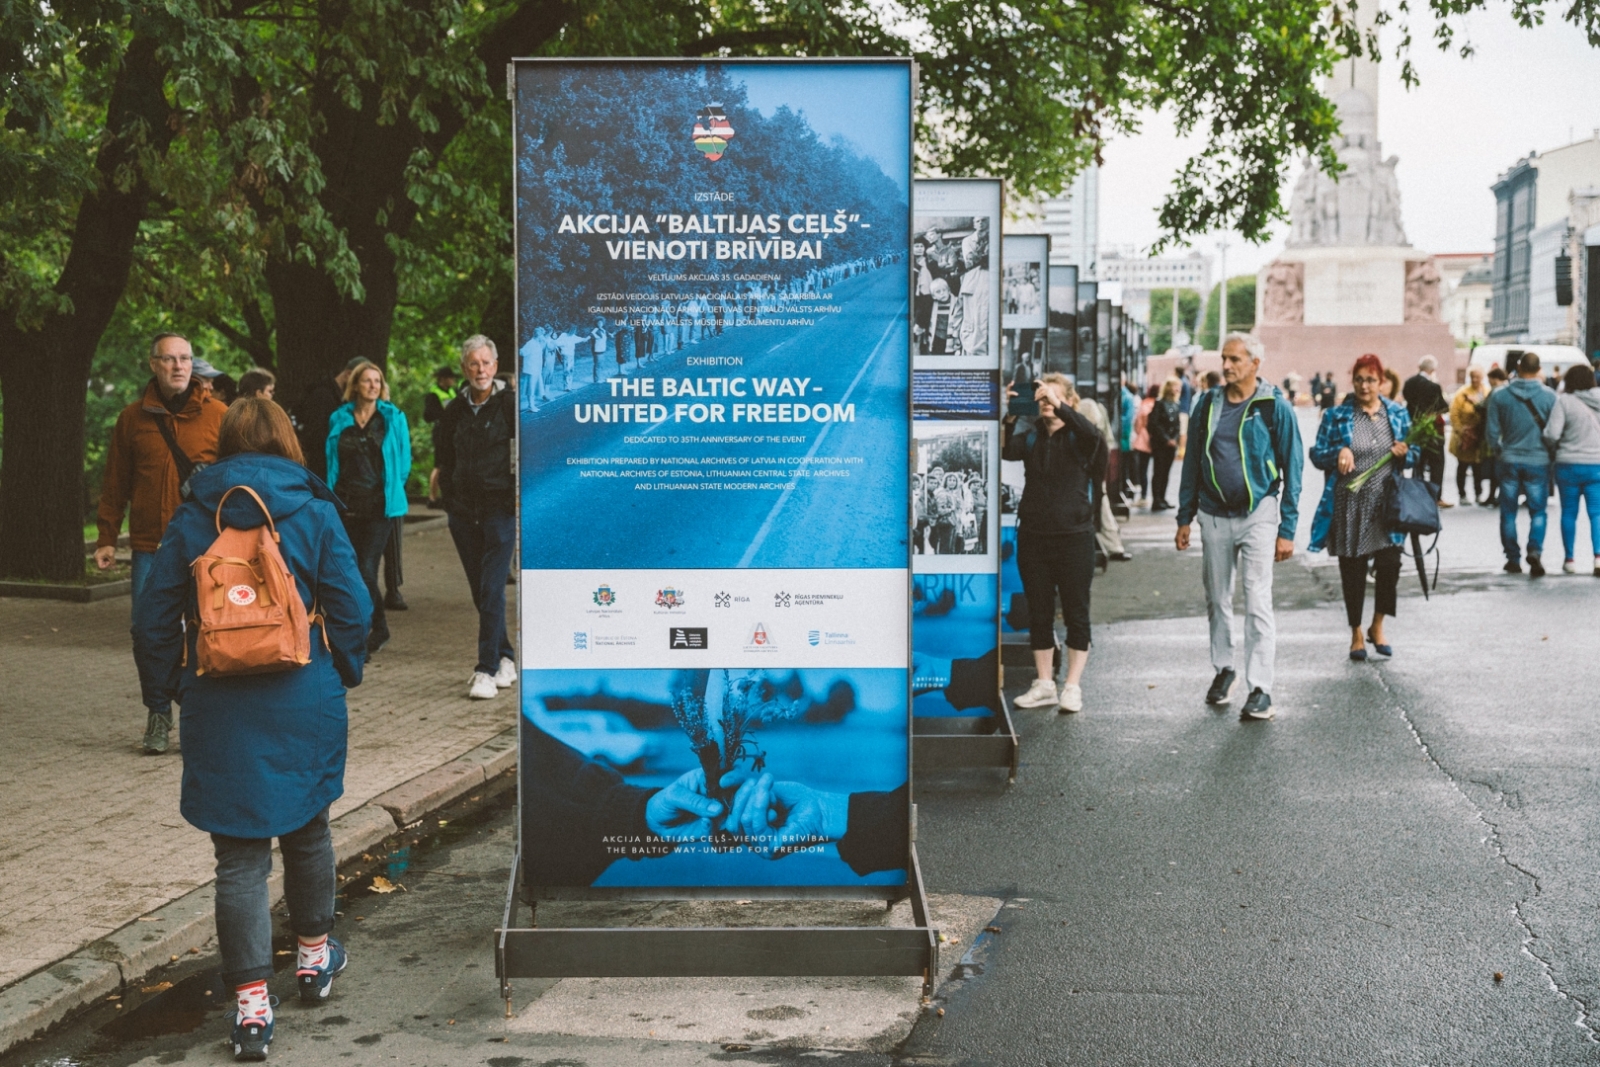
(714, 314)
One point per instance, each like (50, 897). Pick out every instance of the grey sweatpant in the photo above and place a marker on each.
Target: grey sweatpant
(1245, 544)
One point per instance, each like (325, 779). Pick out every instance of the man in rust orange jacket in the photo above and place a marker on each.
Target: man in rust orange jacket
(144, 476)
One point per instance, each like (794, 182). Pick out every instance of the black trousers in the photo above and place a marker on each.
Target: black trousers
(1480, 480)
(368, 537)
(1163, 458)
(1051, 565)
(1353, 576)
(1432, 467)
(1141, 472)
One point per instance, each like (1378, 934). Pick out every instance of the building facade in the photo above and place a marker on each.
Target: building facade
(1072, 220)
(1534, 236)
(1466, 282)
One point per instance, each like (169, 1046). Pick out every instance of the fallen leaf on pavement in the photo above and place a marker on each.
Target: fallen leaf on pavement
(1499, 976)
(159, 987)
(991, 929)
(380, 884)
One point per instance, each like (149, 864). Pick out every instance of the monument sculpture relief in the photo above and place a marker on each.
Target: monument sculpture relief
(1422, 291)
(1284, 299)
(1362, 205)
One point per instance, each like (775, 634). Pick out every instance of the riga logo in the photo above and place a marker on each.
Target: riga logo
(604, 596)
(669, 598)
(242, 596)
(712, 132)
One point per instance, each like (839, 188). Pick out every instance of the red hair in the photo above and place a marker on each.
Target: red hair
(1369, 362)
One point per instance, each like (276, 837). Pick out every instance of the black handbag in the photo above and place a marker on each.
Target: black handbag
(1410, 506)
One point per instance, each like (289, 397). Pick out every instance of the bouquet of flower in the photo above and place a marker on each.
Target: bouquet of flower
(718, 728)
(1425, 434)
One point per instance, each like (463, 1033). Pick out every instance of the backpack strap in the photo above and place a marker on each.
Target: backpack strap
(254, 496)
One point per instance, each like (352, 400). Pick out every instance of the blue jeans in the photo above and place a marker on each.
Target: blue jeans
(1515, 480)
(143, 564)
(485, 547)
(244, 915)
(1579, 485)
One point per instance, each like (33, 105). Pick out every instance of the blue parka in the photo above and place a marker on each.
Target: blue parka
(1333, 434)
(1269, 445)
(396, 453)
(262, 753)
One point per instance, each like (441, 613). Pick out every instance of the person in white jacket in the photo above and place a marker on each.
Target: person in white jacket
(1573, 431)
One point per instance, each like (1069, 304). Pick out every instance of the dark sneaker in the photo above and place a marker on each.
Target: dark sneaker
(1512, 567)
(1535, 567)
(156, 728)
(252, 1037)
(393, 601)
(1259, 706)
(1221, 686)
(316, 981)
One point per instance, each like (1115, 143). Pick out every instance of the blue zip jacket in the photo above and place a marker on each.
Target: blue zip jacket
(1333, 434)
(1514, 435)
(396, 453)
(1269, 441)
(262, 753)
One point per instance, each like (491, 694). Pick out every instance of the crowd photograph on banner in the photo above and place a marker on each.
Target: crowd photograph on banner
(950, 489)
(951, 257)
(1021, 293)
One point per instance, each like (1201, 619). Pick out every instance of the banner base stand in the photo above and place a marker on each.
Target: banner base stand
(962, 742)
(718, 951)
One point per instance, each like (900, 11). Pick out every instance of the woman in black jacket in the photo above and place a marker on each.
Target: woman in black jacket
(1165, 426)
(1064, 459)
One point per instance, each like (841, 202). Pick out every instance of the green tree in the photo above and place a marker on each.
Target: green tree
(1161, 317)
(1241, 308)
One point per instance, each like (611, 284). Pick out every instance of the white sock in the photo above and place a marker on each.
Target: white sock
(313, 955)
(253, 1002)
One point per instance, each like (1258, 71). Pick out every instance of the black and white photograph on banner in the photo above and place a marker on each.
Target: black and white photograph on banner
(956, 255)
(1025, 299)
(1022, 293)
(952, 306)
(952, 495)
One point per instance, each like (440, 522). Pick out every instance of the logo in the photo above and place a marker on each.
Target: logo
(691, 637)
(712, 132)
(670, 598)
(605, 596)
(780, 600)
(723, 600)
(242, 595)
(580, 641)
(759, 637)
(814, 637)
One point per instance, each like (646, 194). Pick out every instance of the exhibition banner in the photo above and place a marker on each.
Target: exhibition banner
(955, 486)
(1025, 321)
(713, 321)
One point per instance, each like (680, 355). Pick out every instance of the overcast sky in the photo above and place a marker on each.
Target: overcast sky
(1467, 122)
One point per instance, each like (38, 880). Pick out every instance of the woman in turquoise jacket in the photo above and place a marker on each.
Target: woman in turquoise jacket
(369, 461)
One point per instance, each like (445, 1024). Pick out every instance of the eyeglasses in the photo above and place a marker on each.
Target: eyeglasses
(168, 361)
(1364, 380)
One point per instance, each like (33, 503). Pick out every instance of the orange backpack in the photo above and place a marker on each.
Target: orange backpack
(252, 620)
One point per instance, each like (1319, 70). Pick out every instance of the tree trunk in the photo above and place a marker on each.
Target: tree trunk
(43, 370)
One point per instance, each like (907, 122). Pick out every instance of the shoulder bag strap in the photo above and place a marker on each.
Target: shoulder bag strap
(185, 464)
(1532, 409)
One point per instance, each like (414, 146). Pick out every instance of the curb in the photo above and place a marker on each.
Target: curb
(32, 1005)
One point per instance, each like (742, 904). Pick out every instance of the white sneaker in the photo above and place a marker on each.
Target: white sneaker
(1071, 698)
(483, 687)
(1041, 695)
(1568, 567)
(507, 672)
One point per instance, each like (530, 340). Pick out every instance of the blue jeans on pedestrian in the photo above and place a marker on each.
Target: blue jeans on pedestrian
(1579, 485)
(485, 547)
(244, 913)
(1517, 479)
(149, 693)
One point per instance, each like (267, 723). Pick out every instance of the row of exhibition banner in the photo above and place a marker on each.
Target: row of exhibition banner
(737, 315)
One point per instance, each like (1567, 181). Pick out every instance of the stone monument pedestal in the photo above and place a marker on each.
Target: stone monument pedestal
(1309, 350)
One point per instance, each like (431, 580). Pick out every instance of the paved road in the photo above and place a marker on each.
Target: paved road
(1340, 886)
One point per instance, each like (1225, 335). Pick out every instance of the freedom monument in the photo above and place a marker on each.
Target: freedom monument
(1347, 281)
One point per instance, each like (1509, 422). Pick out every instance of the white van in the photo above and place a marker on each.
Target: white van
(1553, 359)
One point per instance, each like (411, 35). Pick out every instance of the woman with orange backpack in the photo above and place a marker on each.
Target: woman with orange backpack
(255, 622)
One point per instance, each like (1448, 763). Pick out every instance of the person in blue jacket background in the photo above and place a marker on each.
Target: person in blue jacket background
(263, 754)
(369, 462)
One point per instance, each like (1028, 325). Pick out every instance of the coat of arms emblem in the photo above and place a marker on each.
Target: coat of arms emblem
(605, 596)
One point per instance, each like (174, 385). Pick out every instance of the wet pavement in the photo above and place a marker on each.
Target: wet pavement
(1400, 869)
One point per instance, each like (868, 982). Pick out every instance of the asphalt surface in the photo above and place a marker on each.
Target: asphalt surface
(1340, 886)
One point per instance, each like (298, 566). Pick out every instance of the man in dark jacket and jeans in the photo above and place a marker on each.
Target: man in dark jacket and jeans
(1515, 429)
(1424, 398)
(474, 438)
(1241, 477)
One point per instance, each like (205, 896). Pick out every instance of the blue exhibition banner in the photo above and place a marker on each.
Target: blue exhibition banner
(713, 321)
(955, 486)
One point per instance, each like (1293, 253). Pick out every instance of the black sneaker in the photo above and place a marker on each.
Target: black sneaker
(156, 728)
(1259, 706)
(393, 601)
(251, 1038)
(1221, 685)
(1512, 567)
(1535, 567)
